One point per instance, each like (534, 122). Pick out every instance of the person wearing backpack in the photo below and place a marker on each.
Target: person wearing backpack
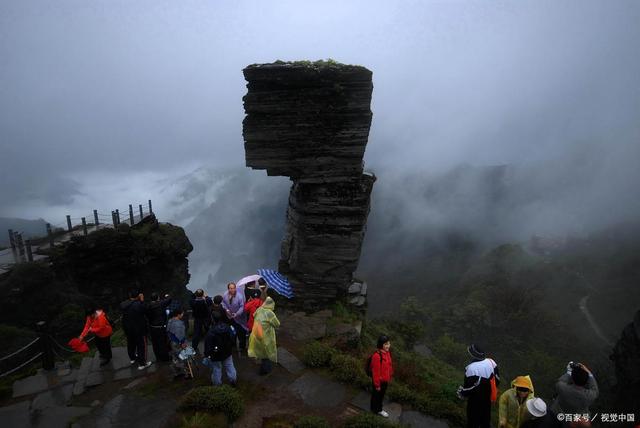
(380, 368)
(480, 388)
(201, 307)
(218, 350)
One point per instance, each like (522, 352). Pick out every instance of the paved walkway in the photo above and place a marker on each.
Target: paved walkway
(120, 395)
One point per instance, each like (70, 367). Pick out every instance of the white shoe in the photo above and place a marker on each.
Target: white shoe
(383, 414)
(145, 366)
(132, 361)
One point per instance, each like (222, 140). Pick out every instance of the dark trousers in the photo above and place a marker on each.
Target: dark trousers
(200, 329)
(479, 412)
(104, 347)
(160, 343)
(377, 397)
(137, 348)
(241, 333)
(265, 366)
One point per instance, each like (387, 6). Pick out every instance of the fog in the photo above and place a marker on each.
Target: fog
(107, 103)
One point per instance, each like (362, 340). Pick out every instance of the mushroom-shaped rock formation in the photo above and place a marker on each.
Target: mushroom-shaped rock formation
(310, 121)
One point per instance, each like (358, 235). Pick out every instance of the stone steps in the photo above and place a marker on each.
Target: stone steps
(83, 373)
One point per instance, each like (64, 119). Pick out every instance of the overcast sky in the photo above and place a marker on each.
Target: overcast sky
(94, 88)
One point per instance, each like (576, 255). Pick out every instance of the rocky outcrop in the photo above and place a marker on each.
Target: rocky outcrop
(99, 269)
(310, 122)
(626, 358)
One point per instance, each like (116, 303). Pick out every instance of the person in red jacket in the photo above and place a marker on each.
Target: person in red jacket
(381, 372)
(98, 325)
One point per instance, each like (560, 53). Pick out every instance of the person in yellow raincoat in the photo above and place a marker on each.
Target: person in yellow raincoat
(513, 403)
(262, 342)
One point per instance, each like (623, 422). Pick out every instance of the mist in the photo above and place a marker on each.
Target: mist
(494, 120)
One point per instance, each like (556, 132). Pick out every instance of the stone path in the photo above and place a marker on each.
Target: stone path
(96, 397)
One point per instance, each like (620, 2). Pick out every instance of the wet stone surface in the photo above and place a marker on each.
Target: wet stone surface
(317, 391)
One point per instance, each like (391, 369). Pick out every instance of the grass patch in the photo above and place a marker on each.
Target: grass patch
(312, 422)
(215, 399)
(368, 420)
(203, 420)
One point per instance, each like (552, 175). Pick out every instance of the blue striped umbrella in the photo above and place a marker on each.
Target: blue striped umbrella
(277, 281)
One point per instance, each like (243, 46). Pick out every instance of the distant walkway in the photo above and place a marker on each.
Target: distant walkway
(592, 322)
(23, 250)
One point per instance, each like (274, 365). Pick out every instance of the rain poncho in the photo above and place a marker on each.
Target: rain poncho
(265, 347)
(512, 412)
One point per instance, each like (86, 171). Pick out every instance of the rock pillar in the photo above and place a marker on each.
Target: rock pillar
(310, 122)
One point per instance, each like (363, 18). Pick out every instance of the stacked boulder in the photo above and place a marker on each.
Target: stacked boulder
(310, 122)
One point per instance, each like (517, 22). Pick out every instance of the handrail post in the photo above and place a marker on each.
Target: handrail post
(20, 244)
(50, 235)
(84, 226)
(141, 212)
(131, 222)
(150, 209)
(27, 244)
(69, 223)
(95, 218)
(46, 346)
(118, 217)
(12, 239)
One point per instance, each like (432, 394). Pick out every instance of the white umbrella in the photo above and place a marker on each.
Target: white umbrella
(246, 280)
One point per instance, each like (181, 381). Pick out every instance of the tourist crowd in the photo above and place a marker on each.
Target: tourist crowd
(518, 407)
(246, 315)
(223, 322)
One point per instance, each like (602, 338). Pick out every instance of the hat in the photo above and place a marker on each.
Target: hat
(523, 382)
(476, 352)
(537, 407)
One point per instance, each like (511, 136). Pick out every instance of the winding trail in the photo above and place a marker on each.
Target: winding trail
(594, 326)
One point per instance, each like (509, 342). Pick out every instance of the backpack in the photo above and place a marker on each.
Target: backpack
(201, 309)
(367, 364)
(220, 343)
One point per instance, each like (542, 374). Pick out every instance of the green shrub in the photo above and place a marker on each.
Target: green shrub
(401, 393)
(368, 420)
(13, 338)
(311, 422)
(201, 420)
(214, 399)
(346, 368)
(316, 354)
(447, 349)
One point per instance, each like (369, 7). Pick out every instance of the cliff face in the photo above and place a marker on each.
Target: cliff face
(96, 269)
(310, 122)
(626, 357)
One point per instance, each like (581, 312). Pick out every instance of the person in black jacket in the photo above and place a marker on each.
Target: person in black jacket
(218, 349)
(217, 311)
(201, 309)
(477, 387)
(134, 324)
(157, 317)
